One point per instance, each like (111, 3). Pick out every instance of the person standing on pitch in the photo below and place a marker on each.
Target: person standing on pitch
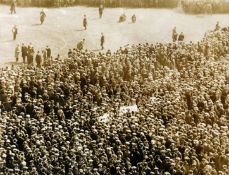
(13, 7)
(15, 32)
(49, 53)
(181, 37)
(174, 34)
(102, 41)
(101, 8)
(133, 18)
(42, 16)
(80, 45)
(24, 52)
(17, 52)
(38, 59)
(85, 22)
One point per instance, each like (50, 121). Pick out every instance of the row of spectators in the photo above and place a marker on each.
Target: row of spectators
(68, 118)
(30, 56)
(96, 3)
(189, 6)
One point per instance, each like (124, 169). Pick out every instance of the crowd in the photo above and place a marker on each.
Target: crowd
(95, 3)
(205, 6)
(65, 118)
(189, 6)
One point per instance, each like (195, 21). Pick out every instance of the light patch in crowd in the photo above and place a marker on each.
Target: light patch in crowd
(126, 109)
(104, 118)
(154, 100)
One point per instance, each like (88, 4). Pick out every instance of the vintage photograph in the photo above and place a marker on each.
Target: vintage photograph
(114, 87)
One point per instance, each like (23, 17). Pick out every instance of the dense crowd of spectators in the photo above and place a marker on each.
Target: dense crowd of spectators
(188, 6)
(96, 3)
(205, 6)
(65, 118)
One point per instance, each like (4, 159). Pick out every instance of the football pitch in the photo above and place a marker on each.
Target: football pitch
(63, 28)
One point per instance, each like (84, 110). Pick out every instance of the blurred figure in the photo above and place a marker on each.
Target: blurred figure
(101, 8)
(174, 34)
(44, 55)
(49, 52)
(17, 52)
(133, 18)
(38, 59)
(23, 52)
(122, 18)
(85, 22)
(15, 32)
(30, 54)
(217, 26)
(13, 7)
(80, 45)
(102, 41)
(181, 37)
(42, 16)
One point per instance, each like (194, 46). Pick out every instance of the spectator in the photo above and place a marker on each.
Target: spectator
(181, 37)
(38, 59)
(17, 52)
(102, 41)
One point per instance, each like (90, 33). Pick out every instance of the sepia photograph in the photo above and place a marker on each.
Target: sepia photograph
(114, 87)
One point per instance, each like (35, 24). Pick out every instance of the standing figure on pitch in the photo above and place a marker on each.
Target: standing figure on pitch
(217, 26)
(102, 41)
(181, 37)
(42, 16)
(17, 52)
(24, 52)
(38, 59)
(174, 34)
(122, 18)
(133, 18)
(101, 8)
(49, 54)
(44, 55)
(80, 45)
(13, 7)
(15, 32)
(85, 22)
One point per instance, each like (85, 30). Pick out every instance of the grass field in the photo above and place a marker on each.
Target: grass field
(63, 28)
